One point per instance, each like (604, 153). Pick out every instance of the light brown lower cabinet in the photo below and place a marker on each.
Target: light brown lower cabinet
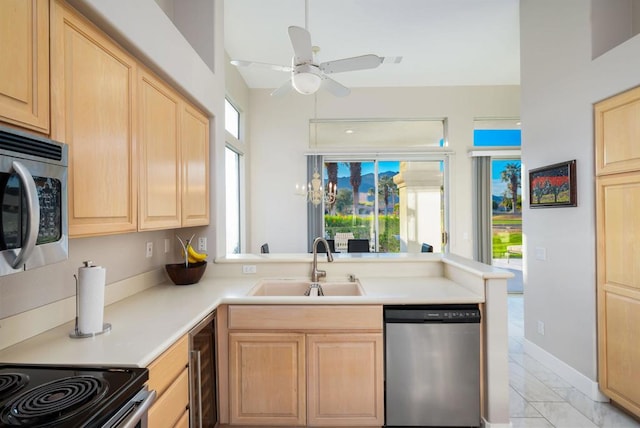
(326, 375)
(169, 377)
(344, 379)
(268, 378)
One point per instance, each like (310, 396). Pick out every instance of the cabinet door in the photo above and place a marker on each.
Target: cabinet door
(617, 132)
(195, 167)
(618, 270)
(24, 64)
(93, 105)
(267, 379)
(345, 379)
(160, 204)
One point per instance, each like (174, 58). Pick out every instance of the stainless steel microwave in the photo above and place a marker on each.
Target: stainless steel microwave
(33, 194)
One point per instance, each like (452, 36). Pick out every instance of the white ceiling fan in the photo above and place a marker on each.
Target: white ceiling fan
(307, 75)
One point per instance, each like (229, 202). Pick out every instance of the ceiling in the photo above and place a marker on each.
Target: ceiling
(442, 42)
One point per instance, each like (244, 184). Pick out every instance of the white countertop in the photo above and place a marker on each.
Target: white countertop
(147, 323)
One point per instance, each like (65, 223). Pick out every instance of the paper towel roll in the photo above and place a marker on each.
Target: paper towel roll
(91, 283)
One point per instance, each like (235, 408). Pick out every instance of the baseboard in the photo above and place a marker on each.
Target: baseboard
(487, 424)
(576, 379)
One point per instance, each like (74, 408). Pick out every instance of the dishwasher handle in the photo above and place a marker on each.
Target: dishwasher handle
(432, 314)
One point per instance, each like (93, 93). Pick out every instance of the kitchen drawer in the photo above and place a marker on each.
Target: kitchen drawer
(183, 422)
(305, 317)
(168, 366)
(171, 405)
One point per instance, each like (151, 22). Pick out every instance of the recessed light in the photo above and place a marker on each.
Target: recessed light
(349, 131)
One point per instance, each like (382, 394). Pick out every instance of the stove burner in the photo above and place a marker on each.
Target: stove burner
(10, 383)
(56, 400)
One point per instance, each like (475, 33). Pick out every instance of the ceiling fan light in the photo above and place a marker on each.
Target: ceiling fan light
(306, 83)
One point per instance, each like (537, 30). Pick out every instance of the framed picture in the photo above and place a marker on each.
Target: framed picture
(553, 186)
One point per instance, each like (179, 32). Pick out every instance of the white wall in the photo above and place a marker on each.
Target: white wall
(559, 84)
(278, 136)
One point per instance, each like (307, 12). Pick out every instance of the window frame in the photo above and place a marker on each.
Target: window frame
(440, 154)
(238, 145)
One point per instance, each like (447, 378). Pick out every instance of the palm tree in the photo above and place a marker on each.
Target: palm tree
(355, 168)
(386, 188)
(511, 175)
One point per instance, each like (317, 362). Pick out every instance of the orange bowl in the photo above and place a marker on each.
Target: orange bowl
(182, 275)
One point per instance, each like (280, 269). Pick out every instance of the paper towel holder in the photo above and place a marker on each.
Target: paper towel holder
(75, 333)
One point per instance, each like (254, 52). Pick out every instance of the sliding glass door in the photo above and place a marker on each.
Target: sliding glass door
(396, 205)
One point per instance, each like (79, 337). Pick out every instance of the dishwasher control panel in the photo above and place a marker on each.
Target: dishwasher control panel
(432, 313)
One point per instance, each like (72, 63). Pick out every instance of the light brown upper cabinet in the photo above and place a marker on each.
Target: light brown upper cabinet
(24, 64)
(93, 94)
(159, 154)
(617, 133)
(174, 158)
(195, 167)
(617, 128)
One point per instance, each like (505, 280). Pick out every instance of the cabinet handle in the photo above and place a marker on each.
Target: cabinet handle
(196, 354)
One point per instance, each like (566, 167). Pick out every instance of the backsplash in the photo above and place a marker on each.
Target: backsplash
(123, 256)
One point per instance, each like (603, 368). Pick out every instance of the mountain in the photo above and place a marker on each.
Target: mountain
(368, 181)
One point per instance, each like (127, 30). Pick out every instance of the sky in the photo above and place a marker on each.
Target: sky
(497, 185)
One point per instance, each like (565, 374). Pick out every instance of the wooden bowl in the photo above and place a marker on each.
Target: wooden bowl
(182, 275)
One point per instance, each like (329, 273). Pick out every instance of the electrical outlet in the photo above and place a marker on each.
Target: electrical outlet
(202, 243)
(149, 250)
(541, 328)
(249, 269)
(167, 245)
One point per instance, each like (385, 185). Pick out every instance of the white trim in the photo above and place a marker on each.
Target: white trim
(495, 152)
(576, 379)
(437, 153)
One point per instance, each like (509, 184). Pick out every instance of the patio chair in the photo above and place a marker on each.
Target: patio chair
(358, 246)
(332, 246)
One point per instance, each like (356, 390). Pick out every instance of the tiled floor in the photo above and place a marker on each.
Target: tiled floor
(540, 399)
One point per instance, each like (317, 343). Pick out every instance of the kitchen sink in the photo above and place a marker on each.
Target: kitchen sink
(293, 287)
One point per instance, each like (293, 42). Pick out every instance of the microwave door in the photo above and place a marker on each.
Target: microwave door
(20, 216)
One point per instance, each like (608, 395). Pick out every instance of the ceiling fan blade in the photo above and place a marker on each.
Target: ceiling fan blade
(362, 62)
(241, 63)
(282, 90)
(301, 42)
(391, 59)
(334, 87)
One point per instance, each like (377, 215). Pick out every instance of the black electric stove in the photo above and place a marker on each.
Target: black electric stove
(65, 396)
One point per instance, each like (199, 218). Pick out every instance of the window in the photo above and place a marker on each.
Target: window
(377, 133)
(497, 133)
(397, 205)
(232, 171)
(498, 196)
(231, 119)
(234, 166)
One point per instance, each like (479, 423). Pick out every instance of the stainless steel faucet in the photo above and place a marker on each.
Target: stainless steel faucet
(316, 274)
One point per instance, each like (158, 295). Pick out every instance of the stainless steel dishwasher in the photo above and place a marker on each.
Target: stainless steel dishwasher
(432, 366)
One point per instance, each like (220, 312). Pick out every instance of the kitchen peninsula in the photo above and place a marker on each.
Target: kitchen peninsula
(147, 323)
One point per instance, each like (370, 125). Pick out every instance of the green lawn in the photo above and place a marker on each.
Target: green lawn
(502, 240)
